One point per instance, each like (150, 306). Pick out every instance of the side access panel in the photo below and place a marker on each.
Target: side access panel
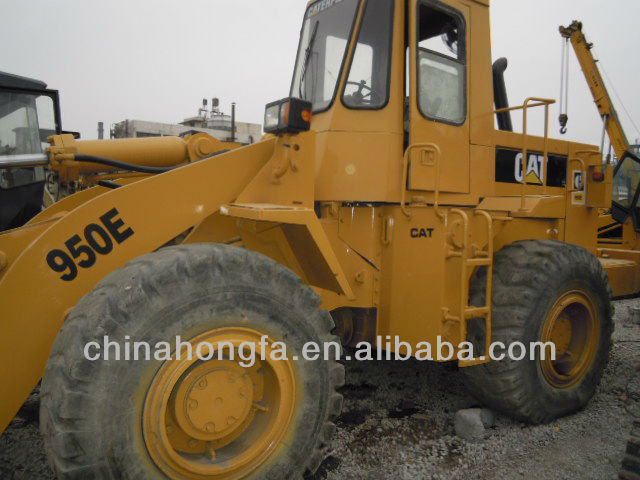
(412, 275)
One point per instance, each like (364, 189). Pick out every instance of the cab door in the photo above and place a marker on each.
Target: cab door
(438, 53)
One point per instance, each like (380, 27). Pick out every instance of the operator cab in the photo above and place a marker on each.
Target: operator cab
(380, 78)
(389, 85)
(327, 28)
(29, 114)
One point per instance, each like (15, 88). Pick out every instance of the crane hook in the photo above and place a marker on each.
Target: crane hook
(564, 118)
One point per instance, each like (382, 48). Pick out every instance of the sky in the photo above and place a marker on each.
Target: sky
(157, 59)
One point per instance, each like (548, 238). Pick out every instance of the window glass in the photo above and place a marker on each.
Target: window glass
(19, 130)
(18, 177)
(441, 65)
(46, 119)
(368, 80)
(445, 44)
(335, 52)
(625, 182)
(323, 44)
(26, 120)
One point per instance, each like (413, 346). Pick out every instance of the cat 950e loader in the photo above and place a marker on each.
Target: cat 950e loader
(383, 202)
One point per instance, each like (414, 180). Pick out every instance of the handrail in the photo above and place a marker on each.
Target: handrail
(405, 173)
(546, 102)
(520, 107)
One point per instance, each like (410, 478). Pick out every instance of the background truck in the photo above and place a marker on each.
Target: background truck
(29, 114)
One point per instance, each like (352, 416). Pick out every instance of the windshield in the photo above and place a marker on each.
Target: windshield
(323, 43)
(26, 120)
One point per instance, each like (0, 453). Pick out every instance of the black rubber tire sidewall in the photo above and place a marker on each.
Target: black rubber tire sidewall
(154, 299)
(529, 277)
(559, 402)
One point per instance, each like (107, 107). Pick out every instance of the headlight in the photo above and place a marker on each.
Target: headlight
(271, 117)
(289, 115)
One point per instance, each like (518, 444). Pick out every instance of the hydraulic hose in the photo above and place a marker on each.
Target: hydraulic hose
(122, 165)
(131, 167)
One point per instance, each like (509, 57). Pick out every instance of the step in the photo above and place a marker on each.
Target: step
(624, 275)
(479, 262)
(476, 312)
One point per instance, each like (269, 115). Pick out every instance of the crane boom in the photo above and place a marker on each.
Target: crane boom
(601, 96)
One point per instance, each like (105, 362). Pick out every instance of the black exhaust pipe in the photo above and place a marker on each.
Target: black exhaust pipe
(500, 94)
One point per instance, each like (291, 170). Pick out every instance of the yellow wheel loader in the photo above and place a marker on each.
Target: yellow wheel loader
(383, 204)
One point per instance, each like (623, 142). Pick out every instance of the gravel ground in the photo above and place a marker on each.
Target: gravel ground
(398, 424)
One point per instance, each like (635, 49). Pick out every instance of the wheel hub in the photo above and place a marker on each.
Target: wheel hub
(561, 335)
(573, 327)
(214, 400)
(218, 419)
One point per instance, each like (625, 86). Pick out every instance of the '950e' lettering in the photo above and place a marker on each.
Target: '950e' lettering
(422, 232)
(99, 238)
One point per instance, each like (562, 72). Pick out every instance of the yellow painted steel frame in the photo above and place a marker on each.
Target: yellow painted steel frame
(310, 245)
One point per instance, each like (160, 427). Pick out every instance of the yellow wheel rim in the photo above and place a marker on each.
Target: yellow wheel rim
(216, 419)
(574, 327)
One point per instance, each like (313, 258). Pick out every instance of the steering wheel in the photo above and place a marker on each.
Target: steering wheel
(359, 96)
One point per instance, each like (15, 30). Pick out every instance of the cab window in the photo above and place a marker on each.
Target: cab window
(326, 31)
(441, 63)
(367, 85)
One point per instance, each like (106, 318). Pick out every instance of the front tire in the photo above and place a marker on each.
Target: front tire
(545, 291)
(193, 419)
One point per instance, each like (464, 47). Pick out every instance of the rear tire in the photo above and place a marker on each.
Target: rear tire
(533, 281)
(98, 417)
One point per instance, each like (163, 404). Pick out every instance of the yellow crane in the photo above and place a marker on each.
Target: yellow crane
(619, 225)
(583, 50)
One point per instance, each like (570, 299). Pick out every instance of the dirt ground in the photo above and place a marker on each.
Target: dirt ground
(398, 424)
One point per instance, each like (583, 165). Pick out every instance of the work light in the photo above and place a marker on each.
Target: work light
(289, 115)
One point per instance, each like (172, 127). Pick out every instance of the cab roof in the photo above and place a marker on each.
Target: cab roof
(9, 80)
